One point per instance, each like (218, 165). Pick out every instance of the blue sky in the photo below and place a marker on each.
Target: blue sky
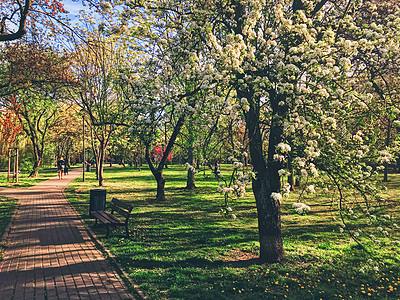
(73, 7)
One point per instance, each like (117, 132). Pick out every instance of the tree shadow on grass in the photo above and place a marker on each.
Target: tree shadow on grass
(194, 263)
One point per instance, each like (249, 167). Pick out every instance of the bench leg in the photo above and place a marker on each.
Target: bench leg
(126, 230)
(108, 230)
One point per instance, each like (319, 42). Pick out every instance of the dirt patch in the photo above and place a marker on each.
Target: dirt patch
(237, 254)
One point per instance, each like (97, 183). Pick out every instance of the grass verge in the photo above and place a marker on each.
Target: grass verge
(184, 248)
(7, 207)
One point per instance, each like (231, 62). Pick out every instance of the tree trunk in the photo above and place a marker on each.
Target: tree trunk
(100, 165)
(160, 186)
(267, 181)
(190, 181)
(35, 170)
(269, 222)
(67, 158)
(385, 172)
(387, 143)
(38, 158)
(158, 175)
(291, 174)
(158, 172)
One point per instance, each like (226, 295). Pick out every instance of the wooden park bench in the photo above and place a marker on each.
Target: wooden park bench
(109, 219)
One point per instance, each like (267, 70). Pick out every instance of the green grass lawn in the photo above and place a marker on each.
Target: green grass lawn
(24, 181)
(184, 248)
(7, 206)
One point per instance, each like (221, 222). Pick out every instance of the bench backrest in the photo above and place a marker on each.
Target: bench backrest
(124, 209)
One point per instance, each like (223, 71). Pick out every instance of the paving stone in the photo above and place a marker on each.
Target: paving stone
(49, 253)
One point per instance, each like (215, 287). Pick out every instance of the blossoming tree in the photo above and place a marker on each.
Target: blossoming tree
(377, 65)
(292, 66)
(167, 81)
(289, 64)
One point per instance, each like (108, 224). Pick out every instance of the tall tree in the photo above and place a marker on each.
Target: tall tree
(66, 132)
(38, 77)
(165, 84)
(377, 64)
(96, 67)
(289, 68)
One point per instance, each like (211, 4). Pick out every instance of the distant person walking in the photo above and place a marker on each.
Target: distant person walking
(60, 167)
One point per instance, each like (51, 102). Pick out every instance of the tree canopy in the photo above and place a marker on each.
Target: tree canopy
(292, 87)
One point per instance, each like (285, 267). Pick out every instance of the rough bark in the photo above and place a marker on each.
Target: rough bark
(267, 181)
(35, 170)
(24, 12)
(158, 172)
(100, 164)
(190, 180)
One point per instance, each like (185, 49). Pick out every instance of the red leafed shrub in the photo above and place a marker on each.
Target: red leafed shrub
(10, 124)
(158, 154)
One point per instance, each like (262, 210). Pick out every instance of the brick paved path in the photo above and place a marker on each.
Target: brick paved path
(49, 254)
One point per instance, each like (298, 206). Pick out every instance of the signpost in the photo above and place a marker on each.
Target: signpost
(12, 176)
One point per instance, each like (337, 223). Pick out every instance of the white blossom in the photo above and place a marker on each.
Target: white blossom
(281, 172)
(105, 6)
(276, 196)
(284, 147)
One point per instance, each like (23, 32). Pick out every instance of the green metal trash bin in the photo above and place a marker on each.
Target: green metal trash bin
(97, 200)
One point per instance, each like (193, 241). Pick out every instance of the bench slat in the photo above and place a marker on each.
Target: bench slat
(100, 216)
(119, 210)
(109, 219)
(114, 219)
(106, 216)
(124, 205)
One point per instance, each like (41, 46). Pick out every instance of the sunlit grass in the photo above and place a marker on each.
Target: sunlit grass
(184, 248)
(24, 181)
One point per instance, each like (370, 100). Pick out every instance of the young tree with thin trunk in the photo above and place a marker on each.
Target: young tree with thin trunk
(164, 86)
(96, 67)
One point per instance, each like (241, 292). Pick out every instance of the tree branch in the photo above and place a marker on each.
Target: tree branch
(24, 10)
